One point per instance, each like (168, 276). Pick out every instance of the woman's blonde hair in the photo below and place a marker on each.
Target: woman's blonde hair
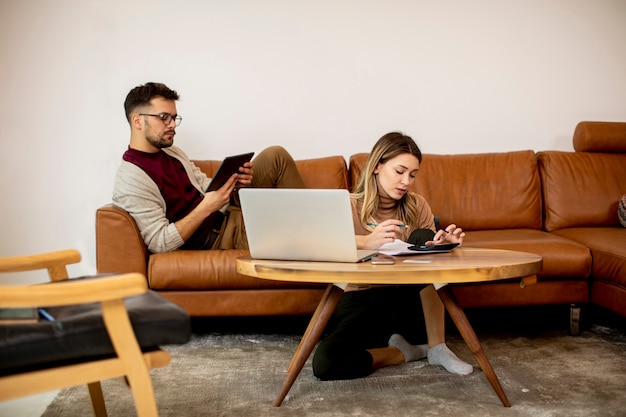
(366, 190)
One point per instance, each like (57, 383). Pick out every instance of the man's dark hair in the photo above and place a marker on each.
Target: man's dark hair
(141, 96)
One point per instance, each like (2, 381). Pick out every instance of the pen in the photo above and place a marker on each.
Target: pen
(401, 226)
(47, 316)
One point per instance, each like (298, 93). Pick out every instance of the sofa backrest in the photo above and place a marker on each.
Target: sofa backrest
(583, 188)
(478, 191)
(355, 167)
(326, 172)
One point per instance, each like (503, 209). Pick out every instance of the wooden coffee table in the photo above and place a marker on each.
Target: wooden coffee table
(462, 265)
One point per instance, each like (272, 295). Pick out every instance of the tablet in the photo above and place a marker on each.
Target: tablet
(447, 247)
(229, 166)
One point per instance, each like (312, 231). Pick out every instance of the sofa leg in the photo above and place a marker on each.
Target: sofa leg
(574, 320)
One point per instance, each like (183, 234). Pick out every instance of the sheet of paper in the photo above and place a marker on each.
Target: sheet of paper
(401, 248)
(396, 248)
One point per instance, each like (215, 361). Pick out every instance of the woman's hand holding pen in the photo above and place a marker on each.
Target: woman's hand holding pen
(450, 234)
(385, 232)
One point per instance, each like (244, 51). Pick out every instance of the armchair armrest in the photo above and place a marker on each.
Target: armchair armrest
(72, 292)
(67, 292)
(54, 262)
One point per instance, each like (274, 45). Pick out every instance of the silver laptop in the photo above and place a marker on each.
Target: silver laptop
(300, 225)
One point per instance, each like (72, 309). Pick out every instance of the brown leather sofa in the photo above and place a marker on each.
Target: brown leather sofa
(560, 205)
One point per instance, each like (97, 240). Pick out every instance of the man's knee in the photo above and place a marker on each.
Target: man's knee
(275, 167)
(275, 152)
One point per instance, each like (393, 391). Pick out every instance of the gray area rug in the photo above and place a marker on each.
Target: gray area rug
(218, 374)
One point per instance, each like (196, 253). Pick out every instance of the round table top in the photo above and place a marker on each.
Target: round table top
(462, 265)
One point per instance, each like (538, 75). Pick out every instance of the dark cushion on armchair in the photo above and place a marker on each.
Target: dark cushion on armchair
(78, 333)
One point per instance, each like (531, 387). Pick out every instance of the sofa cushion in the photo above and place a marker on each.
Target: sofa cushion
(581, 189)
(483, 191)
(600, 137)
(478, 191)
(328, 172)
(608, 250)
(621, 210)
(206, 270)
(562, 258)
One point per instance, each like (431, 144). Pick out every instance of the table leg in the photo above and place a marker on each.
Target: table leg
(316, 326)
(468, 334)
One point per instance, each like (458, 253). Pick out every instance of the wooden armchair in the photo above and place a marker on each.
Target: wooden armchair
(91, 337)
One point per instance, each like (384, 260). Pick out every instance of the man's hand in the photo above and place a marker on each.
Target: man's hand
(215, 200)
(212, 202)
(244, 177)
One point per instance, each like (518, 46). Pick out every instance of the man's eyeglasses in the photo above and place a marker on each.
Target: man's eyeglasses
(166, 118)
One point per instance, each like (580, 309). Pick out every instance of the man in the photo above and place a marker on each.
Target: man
(165, 192)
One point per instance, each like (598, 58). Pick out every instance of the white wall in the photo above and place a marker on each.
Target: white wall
(320, 77)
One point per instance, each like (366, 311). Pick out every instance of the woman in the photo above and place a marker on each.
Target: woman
(377, 326)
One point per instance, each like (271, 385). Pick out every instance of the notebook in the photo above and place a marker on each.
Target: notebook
(300, 225)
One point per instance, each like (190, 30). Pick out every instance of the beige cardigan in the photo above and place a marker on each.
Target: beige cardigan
(138, 194)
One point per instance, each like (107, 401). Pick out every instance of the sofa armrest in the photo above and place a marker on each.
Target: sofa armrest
(119, 245)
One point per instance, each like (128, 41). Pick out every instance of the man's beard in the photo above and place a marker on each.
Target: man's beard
(160, 141)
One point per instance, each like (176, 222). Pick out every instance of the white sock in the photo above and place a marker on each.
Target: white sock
(410, 352)
(442, 355)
